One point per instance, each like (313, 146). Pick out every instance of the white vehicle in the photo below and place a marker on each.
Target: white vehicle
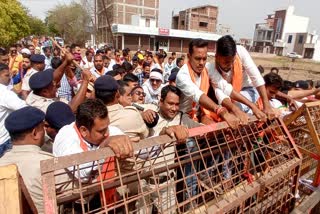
(59, 40)
(294, 55)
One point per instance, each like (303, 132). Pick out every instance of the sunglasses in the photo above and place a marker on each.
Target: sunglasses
(139, 93)
(155, 80)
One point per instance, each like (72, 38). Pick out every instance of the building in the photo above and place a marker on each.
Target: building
(125, 12)
(286, 25)
(200, 19)
(245, 42)
(277, 34)
(311, 47)
(263, 36)
(154, 38)
(224, 30)
(134, 25)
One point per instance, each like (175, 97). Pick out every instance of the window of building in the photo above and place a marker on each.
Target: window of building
(269, 35)
(279, 25)
(300, 39)
(182, 22)
(203, 24)
(147, 22)
(289, 39)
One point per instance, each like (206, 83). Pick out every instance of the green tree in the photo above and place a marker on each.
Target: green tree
(13, 22)
(70, 22)
(37, 26)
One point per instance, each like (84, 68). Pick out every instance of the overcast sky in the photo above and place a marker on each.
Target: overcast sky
(240, 15)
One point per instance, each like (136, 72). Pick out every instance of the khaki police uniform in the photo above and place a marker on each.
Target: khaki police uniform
(42, 103)
(27, 158)
(128, 120)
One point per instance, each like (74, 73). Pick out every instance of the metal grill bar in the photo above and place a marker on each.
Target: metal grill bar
(304, 126)
(254, 168)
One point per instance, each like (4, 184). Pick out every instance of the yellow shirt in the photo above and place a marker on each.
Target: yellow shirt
(15, 63)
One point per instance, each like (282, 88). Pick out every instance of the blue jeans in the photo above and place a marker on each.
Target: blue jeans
(4, 147)
(252, 95)
(189, 169)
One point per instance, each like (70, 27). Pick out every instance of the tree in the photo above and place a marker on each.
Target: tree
(37, 26)
(13, 22)
(70, 21)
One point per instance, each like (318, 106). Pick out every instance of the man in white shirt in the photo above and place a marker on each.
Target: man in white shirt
(171, 120)
(9, 102)
(98, 70)
(235, 71)
(37, 64)
(48, 57)
(87, 61)
(112, 61)
(193, 81)
(91, 131)
(167, 69)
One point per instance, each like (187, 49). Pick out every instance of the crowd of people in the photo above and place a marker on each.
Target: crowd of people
(66, 101)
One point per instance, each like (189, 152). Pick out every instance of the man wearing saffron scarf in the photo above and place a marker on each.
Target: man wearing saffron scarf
(235, 72)
(193, 81)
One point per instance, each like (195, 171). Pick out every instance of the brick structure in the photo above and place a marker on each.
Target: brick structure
(201, 19)
(121, 12)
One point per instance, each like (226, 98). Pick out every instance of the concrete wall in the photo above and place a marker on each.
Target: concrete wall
(316, 55)
(295, 24)
(137, 20)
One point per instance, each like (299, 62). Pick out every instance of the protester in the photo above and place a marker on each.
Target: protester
(9, 102)
(234, 72)
(98, 69)
(193, 81)
(152, 87)
(37, 64)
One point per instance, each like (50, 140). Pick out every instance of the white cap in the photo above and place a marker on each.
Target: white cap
(26, 51)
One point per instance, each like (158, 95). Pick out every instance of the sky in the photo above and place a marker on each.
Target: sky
(240, 15)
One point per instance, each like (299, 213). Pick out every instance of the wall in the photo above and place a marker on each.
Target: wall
(294, 24)
(316, 55)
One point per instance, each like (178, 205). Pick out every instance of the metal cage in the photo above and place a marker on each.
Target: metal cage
(304, 126)
(253, 169)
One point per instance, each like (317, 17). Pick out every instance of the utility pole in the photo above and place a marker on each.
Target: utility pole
(108, 22)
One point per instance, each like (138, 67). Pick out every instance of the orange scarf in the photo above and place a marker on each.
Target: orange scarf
(107, 171)
(237, 74)
(204, 87)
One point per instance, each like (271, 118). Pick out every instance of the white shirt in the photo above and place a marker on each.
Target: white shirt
(25, 81)
(251, 75)
(85, 64)
(96, 74)
(9, 102)
(167, 71)
(112, 63)
(156, 65)
(191, 91)
(47, 62)
(67, 142)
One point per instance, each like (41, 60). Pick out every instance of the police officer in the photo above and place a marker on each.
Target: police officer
(127, 119)
(26, 130)
(58, 115)
(44, 90)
